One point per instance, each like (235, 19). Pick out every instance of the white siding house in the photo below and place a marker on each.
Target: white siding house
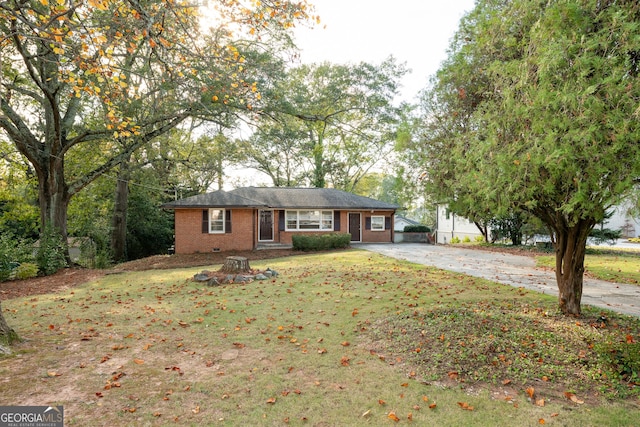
(449, 225)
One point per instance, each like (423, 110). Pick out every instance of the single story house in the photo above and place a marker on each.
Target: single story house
(252, 217)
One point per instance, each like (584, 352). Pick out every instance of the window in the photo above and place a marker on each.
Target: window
(377, 223)
(309, 220)
(216, 220)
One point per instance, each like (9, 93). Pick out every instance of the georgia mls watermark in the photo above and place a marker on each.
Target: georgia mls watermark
(31, 416)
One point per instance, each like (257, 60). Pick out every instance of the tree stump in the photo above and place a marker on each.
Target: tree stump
(235, 264)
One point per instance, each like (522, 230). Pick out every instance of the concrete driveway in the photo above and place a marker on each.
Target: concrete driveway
(514, 270)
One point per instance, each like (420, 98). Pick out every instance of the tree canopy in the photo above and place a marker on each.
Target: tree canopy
(113, 75)
(536, 109)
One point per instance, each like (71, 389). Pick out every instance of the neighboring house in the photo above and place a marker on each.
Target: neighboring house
(401, 222)
(449, 225)
(622, 219)
(251, 217)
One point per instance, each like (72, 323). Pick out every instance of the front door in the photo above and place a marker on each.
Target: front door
(354, 227)
(266, 226)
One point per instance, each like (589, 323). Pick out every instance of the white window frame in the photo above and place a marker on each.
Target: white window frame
(218, 221)
(377, 222)
(301, 220)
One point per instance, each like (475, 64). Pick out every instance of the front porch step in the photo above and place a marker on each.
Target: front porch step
(269, 246)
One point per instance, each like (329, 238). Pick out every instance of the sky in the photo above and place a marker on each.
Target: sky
(416, 32)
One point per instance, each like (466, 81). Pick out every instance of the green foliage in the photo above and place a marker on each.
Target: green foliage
(605, 235)
(17, 214)
(622, 359)
(321, 242)
(416, 229)
(149, 228)
(479, 239)
(50, 256)
(26, 270)
(466, 239)
(13, 251)
(455, 240)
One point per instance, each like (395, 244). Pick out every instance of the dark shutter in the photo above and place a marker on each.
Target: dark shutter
(227, 221)
(387, 223)
(367, 223)
(336, 220)
(205, 220)
(280, 220)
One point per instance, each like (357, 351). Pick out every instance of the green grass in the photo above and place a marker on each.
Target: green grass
(613, 266)
(340, 339)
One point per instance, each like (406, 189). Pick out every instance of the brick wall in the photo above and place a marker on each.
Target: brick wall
(190, 238)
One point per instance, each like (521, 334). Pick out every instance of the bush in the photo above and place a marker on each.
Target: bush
(466, 239)
(479, 239)
(51, 252)
(13, 252)
(455, 240)
(416, 229)
(26, 270)
(320, 242)
(605, 235)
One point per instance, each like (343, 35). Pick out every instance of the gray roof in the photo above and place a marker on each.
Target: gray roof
(282, 198)
(217, 199)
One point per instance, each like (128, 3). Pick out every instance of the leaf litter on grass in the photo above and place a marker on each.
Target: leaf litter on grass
(157, 348)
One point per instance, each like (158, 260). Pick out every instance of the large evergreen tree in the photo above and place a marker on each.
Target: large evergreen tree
(536, 109)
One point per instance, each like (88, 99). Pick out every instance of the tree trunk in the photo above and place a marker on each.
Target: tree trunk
(53, 198)
(7, 335)
(570, 248)
(235, 264)
(119, 219)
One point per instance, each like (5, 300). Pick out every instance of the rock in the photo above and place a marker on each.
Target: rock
(4, 350)
(273, 272)
(213, 282)
(201, 277)
(230, 278)
(261, 276)
(242, 279)
(267, 273)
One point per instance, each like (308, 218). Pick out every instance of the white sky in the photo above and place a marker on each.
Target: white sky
(417, 32)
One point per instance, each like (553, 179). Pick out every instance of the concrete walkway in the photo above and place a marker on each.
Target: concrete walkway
(514, 270)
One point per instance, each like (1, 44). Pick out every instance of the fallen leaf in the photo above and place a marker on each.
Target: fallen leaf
(433, 405)
(382, 402)
(541, 421)
(345, 343)
(344, 361)
(410, 416)
(271, 400)
(506, 382)
(366, 413)
(572, 397)
(196, 410)
(392, 416)
(138, 361)
(465, 406)
(540, 402)
(530, 392)
(53, 374)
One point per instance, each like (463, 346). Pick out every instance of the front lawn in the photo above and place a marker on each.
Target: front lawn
(612, 266)
(348, 338)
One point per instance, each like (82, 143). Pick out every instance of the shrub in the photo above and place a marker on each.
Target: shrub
(26, 270)
(479, 239)
(319, 242)
(455, 240)
(416, 229)
(51, 251)
(13, 251)
(466, 239)
(605, 235)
